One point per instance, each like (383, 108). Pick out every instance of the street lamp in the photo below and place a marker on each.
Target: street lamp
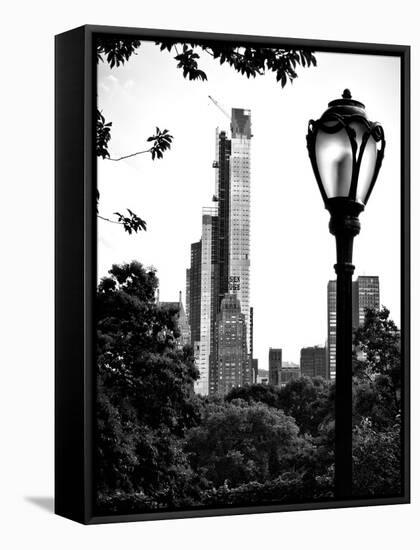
(346, 152)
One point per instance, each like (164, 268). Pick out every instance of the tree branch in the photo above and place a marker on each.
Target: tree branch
(128, 156)
(110, 221)
(131, 223)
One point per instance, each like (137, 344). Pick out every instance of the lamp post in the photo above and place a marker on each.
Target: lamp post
(346, 152)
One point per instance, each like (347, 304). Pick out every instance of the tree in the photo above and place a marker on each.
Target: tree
(250, 61)
(379, 340)
(145, 402)
(290, 487)
(118, 51)
(161, 141)
(377, 406)
(376, 460)
(308, 401)
(161, 447)
(238, 443)
(256, 393)
(377, 372)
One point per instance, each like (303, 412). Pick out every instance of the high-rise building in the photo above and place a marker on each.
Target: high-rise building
(254, 364)
(289, 371)
(240, 196)
(313, 362)
(222, 197)
(225, 253)
(231, 357)
(253, 361)
(279, 372)
(251, 332)
(274, 366)
(332, 327)
(365, 295)
(187, 292)
(194, 284)
(207, 281)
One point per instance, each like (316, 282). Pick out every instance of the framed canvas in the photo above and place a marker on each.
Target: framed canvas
(232, 274)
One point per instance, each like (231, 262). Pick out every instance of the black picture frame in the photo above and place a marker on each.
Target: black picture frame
(75, 267)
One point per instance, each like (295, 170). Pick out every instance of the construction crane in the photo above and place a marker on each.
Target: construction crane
(215, 163)
(220, 108)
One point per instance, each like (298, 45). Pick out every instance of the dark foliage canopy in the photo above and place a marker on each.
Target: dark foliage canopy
(308, 401)
(116, 51)
(250, 61)
(145, 401)
(159, 446)
(238, 442)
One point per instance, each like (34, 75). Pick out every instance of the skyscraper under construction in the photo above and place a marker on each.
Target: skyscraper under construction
(225, 267)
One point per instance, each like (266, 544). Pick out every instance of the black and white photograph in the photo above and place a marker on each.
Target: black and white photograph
(210, 258)
(248, 309)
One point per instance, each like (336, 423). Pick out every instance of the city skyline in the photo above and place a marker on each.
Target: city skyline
(169, 193)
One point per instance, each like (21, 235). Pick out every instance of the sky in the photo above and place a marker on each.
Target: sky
(292, 251)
